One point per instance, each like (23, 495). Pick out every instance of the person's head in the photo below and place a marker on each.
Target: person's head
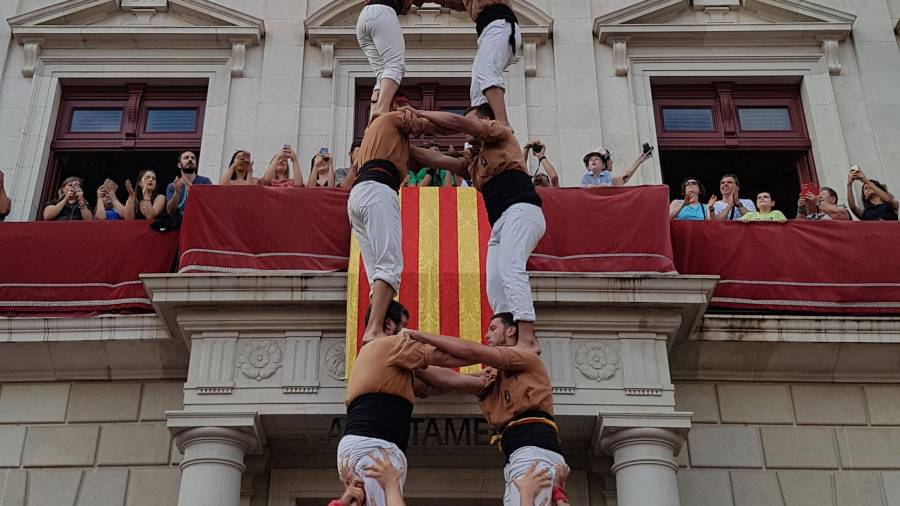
(542, 180)
(432, 146)
(482, 112)
(354, 151)
(395, 319)
(764, 202)
(146, 183)
(187, 162)
(728, 184)
(870, 198)
(828, 195)
(503, 330)
(281, 166)
(692, 186)
(242, 169)
(400, 101)
(598, 160)
(319, 162)
(70, 188)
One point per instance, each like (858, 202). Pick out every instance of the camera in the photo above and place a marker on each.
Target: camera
(648, 149)
(537, 147)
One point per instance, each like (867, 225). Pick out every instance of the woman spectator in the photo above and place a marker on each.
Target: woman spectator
(240, 170)
(108, 205)
(688, 207)
(283, 170)
(145, 202)
(878, 202)
(70, 204)
(321, 170)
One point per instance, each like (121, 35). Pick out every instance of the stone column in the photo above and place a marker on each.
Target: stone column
(644, 465)
(213, 465)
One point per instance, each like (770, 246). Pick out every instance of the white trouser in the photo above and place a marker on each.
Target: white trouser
(519, 462)
(494, 55)
(381, 39)
(513, 238)
(353, 451)
(374, 211)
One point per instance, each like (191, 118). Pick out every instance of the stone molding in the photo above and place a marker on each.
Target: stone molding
(241, 428)
(216, 435)
(670, 440)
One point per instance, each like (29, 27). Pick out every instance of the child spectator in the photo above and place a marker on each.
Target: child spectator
(427, 176)
(878, 202)
(5, 201)
(108, 205)
(145, 202)
(70, 204)
(283, 170)
(321, 170)
(240, 170)
(599, 164)
(765, 204)
(688, 207)
(548, 179)
(823, 206)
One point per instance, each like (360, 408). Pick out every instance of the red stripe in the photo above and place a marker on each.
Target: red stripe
(362, 306)
(484, 234)
(449, 280)
(409, 288)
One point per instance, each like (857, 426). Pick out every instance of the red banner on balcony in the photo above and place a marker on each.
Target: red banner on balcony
(807, 266)
(80, 268)
(445, 235)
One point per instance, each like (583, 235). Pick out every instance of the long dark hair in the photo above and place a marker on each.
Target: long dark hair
(880, 185)
(234, 174)
(699, 184)
(139, 193)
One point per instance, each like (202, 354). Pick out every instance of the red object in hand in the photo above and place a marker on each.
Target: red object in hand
(559, 494)
(336, 502)
(809, 188)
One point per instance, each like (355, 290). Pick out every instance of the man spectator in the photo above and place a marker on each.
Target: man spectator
(766, 212)
(340, 175)
(732, 206)
(427, 176)
(599, 164)
(823, 206)
(549, 178)
(177, 191)
(5, 202)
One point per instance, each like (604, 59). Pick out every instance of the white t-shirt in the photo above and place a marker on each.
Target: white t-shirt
(735, 214)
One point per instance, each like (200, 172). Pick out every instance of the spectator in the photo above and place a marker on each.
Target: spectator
(109, 207)
(878, 202)
(427, 176)
(5, 201)
(240, 170)
(688, 207)
(600, 169)
(341, 174)
(177, 191)
(767, 211)
(321, 170)
(549, 178)
(823, 206)
(283, 170)
(144, 202)
(70, 204)
(383, 471)
(531, 483)
(732, 206)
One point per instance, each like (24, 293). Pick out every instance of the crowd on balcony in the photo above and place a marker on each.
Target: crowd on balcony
(866, 199)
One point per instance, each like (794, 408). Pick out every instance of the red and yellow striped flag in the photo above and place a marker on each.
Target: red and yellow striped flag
(445, 235)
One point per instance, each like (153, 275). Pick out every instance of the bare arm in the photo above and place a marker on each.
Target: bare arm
(53, 210)
(295, 172)
(620, 180)
(885, 195)
(437, 160)
(836, 213)
(454, 122)
(159, 203)
(225, 180)
(675, 207)
(551, 171)
(450, 380)
(331, 173)
(311, 181)
(467, 351)
(172, 204)
(851, 200)
(5, 203)
(99, 210)
(269, 174)
(348, 181)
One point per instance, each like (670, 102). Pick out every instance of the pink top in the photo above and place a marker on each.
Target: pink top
(284, 183)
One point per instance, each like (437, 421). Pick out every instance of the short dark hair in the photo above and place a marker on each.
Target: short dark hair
(830, 191)
(767, 192)
(185, 151)
(395, 313)
(877, 183)
(732, 176)
(699, 184)
(354, 145)
(507, 320)
(483, 111)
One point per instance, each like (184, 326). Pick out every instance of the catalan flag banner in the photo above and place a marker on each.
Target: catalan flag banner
(445, 236)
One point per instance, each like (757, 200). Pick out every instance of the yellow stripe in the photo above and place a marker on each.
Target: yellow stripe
(429, 261)
(352, 307)
(469, 269)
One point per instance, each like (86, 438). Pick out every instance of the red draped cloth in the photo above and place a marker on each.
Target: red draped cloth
(79, 268)
(808, 266)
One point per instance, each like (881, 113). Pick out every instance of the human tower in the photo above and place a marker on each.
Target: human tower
(396, 364)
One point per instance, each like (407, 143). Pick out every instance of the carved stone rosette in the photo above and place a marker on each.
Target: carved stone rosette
(334, 361)
(260, 359)
(597, 361)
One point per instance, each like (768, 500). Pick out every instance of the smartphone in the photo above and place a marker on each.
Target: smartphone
(809, 187)
(648, 149)
(323, 151)
(286, 146)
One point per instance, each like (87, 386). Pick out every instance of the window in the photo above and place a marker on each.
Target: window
(687, 119)
(96, 120)
(171, 120)
(765, 119)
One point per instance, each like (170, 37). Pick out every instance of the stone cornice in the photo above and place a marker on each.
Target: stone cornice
(724, 34)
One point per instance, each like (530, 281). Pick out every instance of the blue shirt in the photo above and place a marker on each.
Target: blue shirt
(170, 191)
(692, 212)
(111, 214)
(604, 178)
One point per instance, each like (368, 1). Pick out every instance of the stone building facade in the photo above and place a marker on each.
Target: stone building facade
(674, 402)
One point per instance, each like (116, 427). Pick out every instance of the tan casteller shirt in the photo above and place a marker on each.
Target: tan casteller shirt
(386, 366)
(387, 138)
(521, 384)
(473, 7)
(500, 152)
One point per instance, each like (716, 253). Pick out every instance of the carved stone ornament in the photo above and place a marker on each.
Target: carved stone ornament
(335, 361)
(597, 361)
(260, 359)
